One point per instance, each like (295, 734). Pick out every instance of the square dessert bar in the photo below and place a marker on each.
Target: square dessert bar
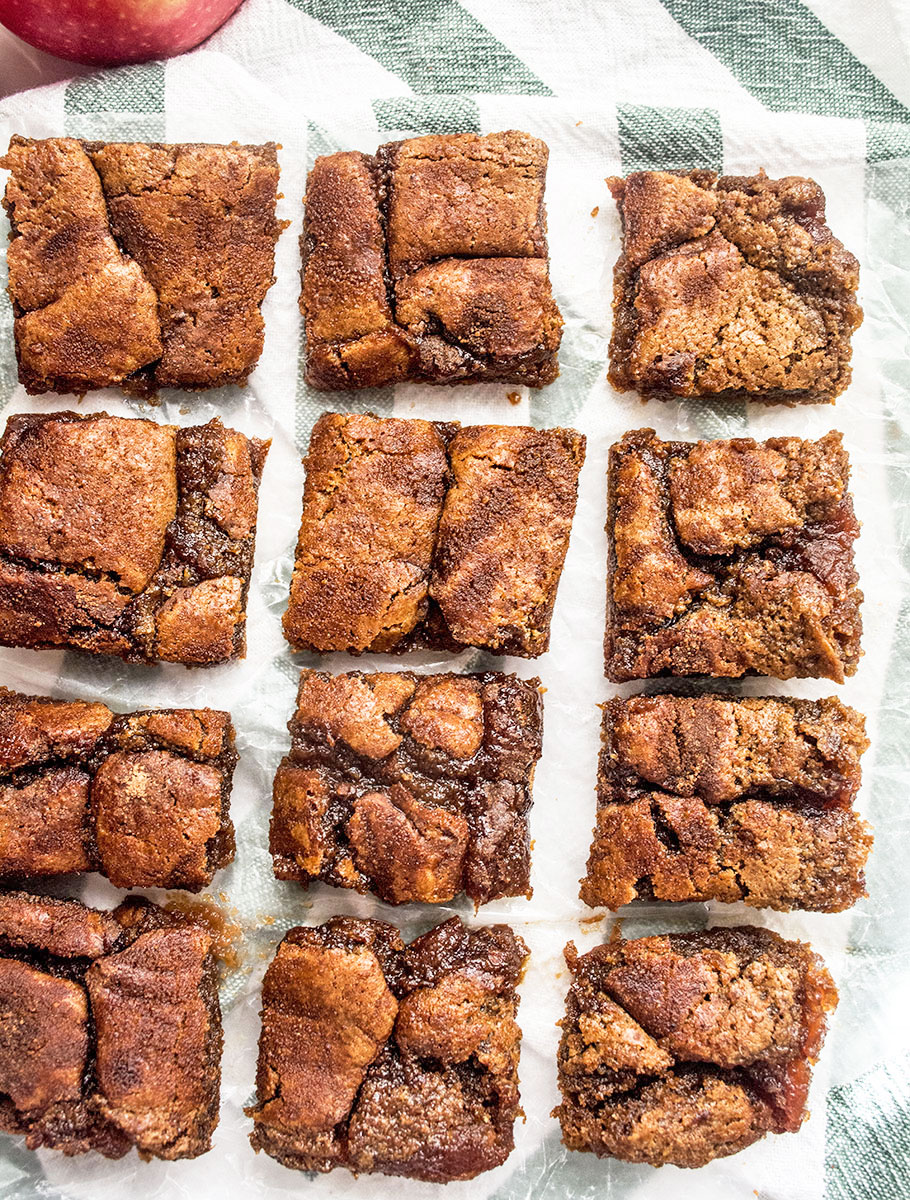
(383, 1057)
(143, 798)
(428, 261)
(138, 265)
(731, 558)
(730, 287)
(121, 536)
(110, 1028)
(415, 787)
(717, 798)
(418, 534)
(688, 1047)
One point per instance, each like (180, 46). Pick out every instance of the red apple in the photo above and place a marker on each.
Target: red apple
(110, 32)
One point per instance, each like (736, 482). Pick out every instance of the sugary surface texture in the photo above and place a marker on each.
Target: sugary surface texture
(428, 261)
(419, 534)
(110, 1028)
(414, 787)
(731, 558)
(715, 798)
(689, 1047)
(730, 287)
(382, 1057)
(144, 797)
(139, 265)
(122, 536)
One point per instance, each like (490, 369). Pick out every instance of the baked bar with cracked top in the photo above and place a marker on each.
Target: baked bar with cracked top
(731, 558)
(144, 798)
(722, 798)
(730, 287)
(428, 261)
(415, 787)
(122, 536)
(383, 1057)
(110, 1028)
(419, 534)
(139, 265)
(688, 1047)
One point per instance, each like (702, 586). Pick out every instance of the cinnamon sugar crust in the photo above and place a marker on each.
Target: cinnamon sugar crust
(689, 1047)
(383, 1057)
(110, 1034)
(122, 536)
(730, 558)
(718, 798)
(414, 787)
(428, 261)
(730, 287)
(422, 534)
(139, 265)
(144, 798)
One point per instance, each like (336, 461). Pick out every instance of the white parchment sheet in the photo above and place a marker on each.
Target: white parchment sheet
(584, 242)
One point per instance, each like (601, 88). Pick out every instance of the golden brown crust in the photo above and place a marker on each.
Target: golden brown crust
(689, 1047)
(132, 262)
(144, 798)
(730, 287)
(158, 1031)
(111, 1031)
(371, 505)
(730, 558)
(504, 534)
(122, 536)
(414, 787)
(352, 338)
(64, 928)
(429, 262)
(709, 797)
(390, 557)
(381, 1057)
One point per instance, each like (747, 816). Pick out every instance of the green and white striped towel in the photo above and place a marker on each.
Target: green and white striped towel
(818, 87)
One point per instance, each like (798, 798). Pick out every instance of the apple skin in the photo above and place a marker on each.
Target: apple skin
(109, 33)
